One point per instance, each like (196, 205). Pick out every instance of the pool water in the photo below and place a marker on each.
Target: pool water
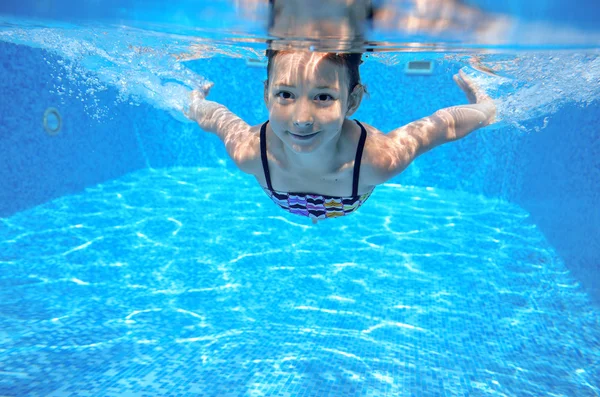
(156, 284)
(136, 260)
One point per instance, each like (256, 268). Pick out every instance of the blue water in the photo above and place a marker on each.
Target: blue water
(137, 261)
(153, 284)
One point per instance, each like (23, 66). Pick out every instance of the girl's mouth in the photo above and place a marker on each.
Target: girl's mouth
(303, 137)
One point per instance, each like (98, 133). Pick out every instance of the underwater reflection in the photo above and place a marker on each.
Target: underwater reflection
(349, 21)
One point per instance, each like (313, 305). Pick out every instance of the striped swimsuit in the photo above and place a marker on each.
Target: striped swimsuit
(316, 206)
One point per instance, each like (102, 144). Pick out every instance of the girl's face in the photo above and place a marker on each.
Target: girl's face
(307, 99)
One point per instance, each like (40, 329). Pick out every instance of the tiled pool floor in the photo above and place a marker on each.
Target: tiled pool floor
(191, 282)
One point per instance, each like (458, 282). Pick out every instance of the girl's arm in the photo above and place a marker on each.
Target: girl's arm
(406, 143)
(449, 124)
(241, 144)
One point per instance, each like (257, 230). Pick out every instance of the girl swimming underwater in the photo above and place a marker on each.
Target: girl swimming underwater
(309, 157)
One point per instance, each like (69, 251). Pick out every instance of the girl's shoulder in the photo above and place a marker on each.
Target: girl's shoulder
(375, 139)
(380, 154)
(247, 153)
(351, 138)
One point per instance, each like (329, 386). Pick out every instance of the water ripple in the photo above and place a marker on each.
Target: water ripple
(421, 292)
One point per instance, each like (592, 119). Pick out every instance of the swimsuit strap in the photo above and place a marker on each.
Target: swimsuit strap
(359, 152)
(263, 154)
(357, 159)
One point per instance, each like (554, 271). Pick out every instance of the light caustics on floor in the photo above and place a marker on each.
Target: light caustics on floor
(183, 281)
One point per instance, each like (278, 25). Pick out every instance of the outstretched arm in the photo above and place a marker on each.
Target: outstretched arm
(240, 142)
(449, 124)
(396, 150)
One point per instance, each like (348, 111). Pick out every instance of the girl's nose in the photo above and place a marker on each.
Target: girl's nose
(303, 123)
(303, 117)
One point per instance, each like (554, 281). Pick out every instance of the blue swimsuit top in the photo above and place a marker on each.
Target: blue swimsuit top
(316, 206)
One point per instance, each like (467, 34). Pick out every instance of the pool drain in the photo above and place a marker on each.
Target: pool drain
(52, 121)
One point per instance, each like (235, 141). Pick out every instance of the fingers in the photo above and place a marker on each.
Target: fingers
(463, 79)
(467, 81)
(196, 99)
(206, 88)
(457, 79)
(467, 85)
(202, 92)
(474, 93)
(196, 96)
(460, 82)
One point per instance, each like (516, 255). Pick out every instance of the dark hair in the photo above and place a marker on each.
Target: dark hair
(351, 61)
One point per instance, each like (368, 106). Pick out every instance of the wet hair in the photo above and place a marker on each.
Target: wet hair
(350, 61)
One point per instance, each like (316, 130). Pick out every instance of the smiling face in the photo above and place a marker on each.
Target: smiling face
(308, 100)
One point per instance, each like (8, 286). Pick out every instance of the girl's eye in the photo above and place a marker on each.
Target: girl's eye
(285, 95)
(324, 97)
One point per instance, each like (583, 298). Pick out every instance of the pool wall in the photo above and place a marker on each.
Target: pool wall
(36, 167)
(554, 174)
(560, 186)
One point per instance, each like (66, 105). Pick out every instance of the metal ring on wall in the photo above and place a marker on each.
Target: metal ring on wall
(52, 121)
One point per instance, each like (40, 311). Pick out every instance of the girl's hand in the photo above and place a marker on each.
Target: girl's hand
(476, 95)
(200, 107)
(473, 92)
